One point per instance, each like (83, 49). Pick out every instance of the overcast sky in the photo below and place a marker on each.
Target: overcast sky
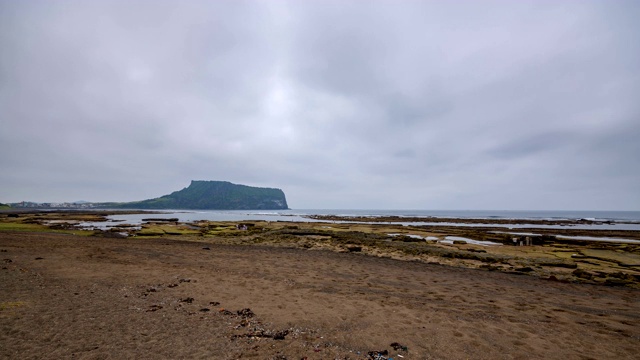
(342, 104)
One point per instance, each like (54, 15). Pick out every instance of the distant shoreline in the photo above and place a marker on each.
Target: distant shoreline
(478, 216)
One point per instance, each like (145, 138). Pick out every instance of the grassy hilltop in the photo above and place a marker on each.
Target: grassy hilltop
(214, 195)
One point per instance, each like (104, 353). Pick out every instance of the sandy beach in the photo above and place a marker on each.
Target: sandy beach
(67, 296)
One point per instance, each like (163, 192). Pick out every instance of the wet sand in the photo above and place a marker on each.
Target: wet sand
(66, 296)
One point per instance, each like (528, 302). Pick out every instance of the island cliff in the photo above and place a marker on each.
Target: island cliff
(214, 195)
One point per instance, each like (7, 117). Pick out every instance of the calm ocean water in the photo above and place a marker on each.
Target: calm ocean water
(489, 214)
(299, 215)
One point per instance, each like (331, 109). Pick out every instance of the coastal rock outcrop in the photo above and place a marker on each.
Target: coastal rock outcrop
(214, 195)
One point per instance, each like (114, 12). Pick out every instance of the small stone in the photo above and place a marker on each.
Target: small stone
(247, 313)
(280, 335)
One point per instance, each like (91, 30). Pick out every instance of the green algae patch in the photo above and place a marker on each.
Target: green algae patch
(625, 259)
(166, 229)
(18, 226)
(22, 227)
(7, 305)
(214, 228)
(565, 255)
(9, 309)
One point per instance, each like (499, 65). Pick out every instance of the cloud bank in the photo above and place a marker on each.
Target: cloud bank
(357, 105)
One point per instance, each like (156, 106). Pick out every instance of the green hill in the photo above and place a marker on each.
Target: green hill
(214, 195)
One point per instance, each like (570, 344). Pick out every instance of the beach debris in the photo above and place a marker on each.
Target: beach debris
(256, 331)
(378, 355)
(397, 346)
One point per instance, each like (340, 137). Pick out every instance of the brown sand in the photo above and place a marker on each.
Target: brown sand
(66, 296)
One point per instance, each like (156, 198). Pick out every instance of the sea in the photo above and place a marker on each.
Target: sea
(606, 220)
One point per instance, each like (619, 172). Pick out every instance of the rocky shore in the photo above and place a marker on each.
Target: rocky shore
(432, 219)
(544, 255)
(311, 290)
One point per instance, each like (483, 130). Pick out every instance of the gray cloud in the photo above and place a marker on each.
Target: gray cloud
(418, 104)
